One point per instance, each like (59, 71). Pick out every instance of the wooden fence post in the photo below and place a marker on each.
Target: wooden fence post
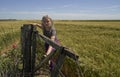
(33, 52)
(28, 49)
(59, 62)
(28, 44)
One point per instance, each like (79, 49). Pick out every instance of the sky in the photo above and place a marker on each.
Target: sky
(60, 9)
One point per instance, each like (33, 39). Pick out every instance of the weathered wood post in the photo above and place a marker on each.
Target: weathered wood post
(28, 42)
(62, 51)
(33, 52)
(59, 63)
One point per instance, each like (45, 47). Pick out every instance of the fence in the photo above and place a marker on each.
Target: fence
(28, 43)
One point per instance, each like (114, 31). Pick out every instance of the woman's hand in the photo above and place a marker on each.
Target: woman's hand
(34, 24)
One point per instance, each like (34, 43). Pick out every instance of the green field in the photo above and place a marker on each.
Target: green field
(96, 42)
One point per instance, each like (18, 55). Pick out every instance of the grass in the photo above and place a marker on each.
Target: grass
(10, 32)
(10, 63)
(96, 42)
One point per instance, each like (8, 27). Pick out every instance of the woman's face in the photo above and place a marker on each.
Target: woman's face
(47, 23)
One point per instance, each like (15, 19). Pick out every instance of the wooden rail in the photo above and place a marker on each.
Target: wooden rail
(28, 43)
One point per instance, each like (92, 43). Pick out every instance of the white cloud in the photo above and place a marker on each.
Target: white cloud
(58, 7)
(117, 7)
(23, 12)
(39, 14)
(84, 16)
(113, 7)
(67, 5)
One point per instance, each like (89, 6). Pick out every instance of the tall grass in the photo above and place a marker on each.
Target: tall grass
(96, 43)
(10, 52)
(10, 32)
(10, 63)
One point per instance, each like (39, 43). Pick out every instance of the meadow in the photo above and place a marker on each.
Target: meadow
(96, 42)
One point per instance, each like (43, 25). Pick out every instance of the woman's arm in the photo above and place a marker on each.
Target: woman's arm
(36, 24)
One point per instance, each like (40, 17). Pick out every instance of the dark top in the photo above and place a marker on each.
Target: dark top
(49, 33)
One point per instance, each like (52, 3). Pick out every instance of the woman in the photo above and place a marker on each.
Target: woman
(50, 32)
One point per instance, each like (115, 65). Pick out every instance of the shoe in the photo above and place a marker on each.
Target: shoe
(51, 65)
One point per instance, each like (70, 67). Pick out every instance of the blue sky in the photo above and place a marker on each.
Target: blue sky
(60, 9)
